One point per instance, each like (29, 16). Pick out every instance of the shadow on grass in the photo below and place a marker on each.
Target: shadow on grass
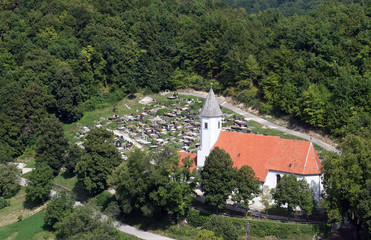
(158, 222)
(29, 204)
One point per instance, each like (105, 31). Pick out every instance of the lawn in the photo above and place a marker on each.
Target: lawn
(66, 180)
(10, 214)
(29, 228)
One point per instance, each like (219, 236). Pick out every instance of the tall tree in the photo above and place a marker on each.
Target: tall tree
(347, 181)
(86, 222)
(51, 144)
(60, 206)
(218, 177)
(98, 161)
(154, 183)
(9, 180)
(68, 95)
(294, 193)
(40, 183)
(247, 186)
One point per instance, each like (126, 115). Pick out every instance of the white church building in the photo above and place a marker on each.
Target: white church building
(270, 157)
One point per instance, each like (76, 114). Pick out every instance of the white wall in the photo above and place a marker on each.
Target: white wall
(209, 137)
(314, 181)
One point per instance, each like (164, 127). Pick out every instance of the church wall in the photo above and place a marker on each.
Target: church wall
(209, 136)
(314, 181)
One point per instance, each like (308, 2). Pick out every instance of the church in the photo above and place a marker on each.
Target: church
(270, 157)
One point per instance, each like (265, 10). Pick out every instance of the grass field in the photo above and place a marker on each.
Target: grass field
(29, 228)
(10, 214)
(66, 180)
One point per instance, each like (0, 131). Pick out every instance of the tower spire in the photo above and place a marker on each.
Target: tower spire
(211, 107)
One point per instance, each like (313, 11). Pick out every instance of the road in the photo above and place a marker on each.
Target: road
(139, 233)
(249, 116)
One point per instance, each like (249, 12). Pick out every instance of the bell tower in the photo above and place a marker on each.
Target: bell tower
(211, 126)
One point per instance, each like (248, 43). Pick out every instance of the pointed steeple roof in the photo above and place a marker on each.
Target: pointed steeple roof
(211, 107)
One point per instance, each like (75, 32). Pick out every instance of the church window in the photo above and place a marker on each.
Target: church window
(205, 125)
(278, 178)
(219, 124)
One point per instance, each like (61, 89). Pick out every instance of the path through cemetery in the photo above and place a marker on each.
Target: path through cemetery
(249, 116)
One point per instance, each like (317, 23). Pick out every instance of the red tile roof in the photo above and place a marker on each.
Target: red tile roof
(264, 153)
(192, 156)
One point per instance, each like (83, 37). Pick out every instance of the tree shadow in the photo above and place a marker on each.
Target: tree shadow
(29, 204)
(68, 174)
(80, 192)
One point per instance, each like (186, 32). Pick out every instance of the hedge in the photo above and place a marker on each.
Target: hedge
(262, 228)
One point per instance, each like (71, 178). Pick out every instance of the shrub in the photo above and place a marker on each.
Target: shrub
(103, 199)
(222, 227)
(197, 219)
(3, 203)
(207, 235)
(278, 229)
(162, 111)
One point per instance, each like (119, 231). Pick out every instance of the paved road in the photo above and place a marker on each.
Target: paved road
(139, 233)
(249, 116)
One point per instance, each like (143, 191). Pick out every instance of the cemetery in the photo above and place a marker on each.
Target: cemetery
(175, 121)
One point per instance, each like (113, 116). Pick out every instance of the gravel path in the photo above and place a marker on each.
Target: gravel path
(249, 116)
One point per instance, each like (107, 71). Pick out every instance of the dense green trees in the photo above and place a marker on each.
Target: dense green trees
(59, 206)
(98, 160)
(154, 183)
(51, 144)
(219, 180)
(347, 181)
(9, 180)
(294, 193)
(314, 67)
(86, 222)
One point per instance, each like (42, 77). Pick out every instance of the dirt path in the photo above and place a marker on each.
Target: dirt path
(249, 116)
(139, 233)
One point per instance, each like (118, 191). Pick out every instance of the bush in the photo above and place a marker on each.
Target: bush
(162, 111)
(196, 219)
(103, 199)
(4, 203)
(207, 235)
(278, 229)
(222, 227)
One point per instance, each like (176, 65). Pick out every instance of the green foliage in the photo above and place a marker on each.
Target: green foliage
(222, 227)
(162, 111)
(347, 181)
(154, 183)
(9, 180)
(294, 193)
(72, 157)
(51, 144)
(218, 177)
(98, 161)
(60, 205)
(247, 186)
(85, 222)
(40, 183)
(196, 219)
(67, 93)
(4, 203)
(279, 230)
(207, 235)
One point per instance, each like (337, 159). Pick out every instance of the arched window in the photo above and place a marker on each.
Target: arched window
(278, 177)
(205, 125)
(219, 124)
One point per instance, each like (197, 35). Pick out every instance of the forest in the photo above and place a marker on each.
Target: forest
(63, 57)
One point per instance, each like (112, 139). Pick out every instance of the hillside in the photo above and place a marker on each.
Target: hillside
(68, 57)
